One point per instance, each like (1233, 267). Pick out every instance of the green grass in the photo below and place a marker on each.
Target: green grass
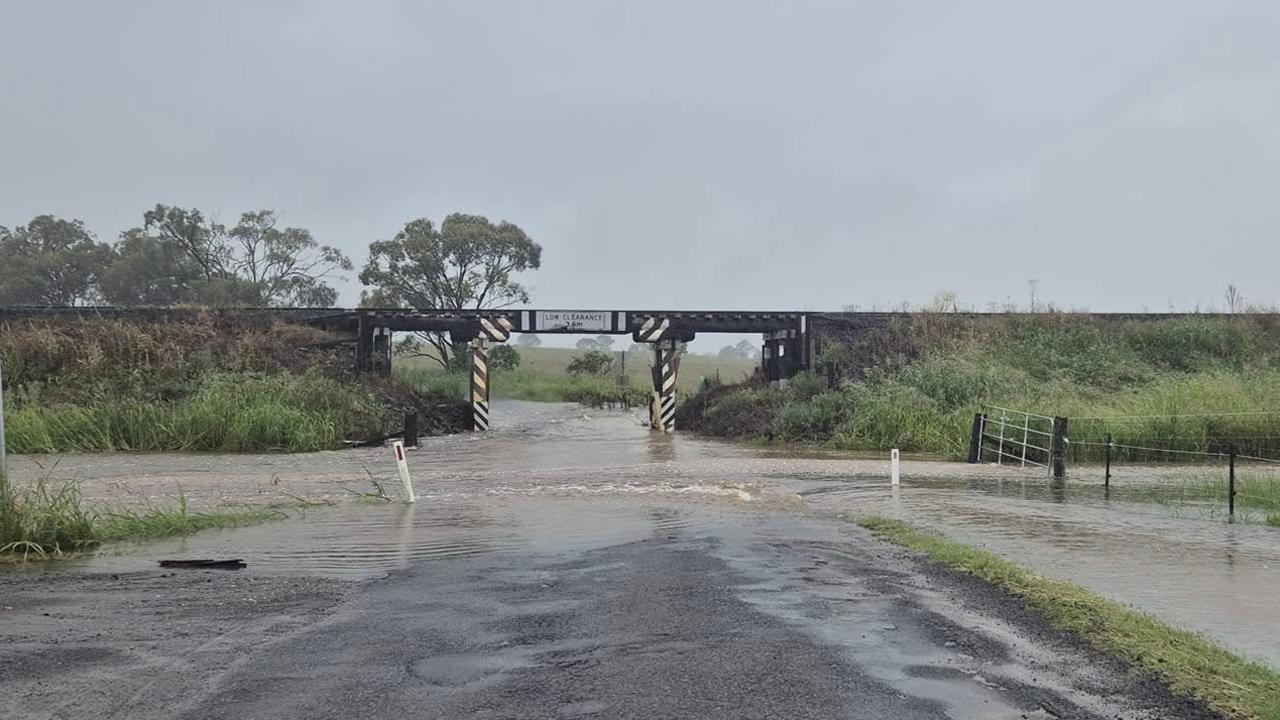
(422, 376)
(1190, 665)
(43, 521)
(1200, 494)
(156, 522)
(1254, 491)
(227, 412)
(542, 377)
(916, 385)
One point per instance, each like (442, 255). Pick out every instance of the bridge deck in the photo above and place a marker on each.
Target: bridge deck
(401, 319)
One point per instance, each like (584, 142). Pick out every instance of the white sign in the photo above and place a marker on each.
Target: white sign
(572, 321)
(406, 483)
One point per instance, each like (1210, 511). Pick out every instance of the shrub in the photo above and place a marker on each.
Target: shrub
(593, 362)
(889, 414)
(810, 420)
(504, 357)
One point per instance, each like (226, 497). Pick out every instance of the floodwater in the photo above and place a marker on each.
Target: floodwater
(553, 477)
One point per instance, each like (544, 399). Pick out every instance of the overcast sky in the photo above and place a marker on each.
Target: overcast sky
(737, 154)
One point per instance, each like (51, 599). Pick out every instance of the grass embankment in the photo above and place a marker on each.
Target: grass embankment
(41, 521)
(917, 383)
(226, 412)
(199, 384)
(543, 377)
(1189, 664)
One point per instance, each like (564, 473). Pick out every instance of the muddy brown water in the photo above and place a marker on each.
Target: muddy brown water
(555, 477)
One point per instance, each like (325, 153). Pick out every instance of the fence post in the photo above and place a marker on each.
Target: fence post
(1000, 444)
(1059, 448)
(1231, 483)
(975, 438)
(1106, 481)
(411, 429)
(1026, 428)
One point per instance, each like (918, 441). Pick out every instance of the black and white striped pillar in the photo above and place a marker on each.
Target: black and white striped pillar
(666, 365)
(479, 386)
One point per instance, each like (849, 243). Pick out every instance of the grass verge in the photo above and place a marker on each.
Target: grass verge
(1189, 664)
(42, 521)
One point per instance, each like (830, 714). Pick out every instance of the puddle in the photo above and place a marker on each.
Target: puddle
(360, 541)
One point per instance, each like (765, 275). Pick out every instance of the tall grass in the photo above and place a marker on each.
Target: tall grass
(42, 520)
(916, 385)
(227, 412)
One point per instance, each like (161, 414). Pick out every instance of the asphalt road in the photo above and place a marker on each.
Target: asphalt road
(752, 615)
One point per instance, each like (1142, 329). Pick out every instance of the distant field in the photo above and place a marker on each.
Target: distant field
(549, 363)
(553, 361)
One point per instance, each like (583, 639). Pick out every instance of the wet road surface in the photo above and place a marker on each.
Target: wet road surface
(570, 565)
(708, 615)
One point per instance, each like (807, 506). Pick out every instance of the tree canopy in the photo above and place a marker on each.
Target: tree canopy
(744, 349)
(183, 256)
(175, 256)
(467, 263)
(50, 261)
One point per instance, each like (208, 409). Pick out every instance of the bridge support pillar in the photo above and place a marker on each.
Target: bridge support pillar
(364, 343)
(662, 408)
(479, 386)
(782, 356)
(382, 351)
(373, 347)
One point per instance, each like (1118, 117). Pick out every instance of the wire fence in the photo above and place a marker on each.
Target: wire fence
(1215, 464)
(1151, 437)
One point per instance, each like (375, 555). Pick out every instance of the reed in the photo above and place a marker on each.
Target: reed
(43, 520)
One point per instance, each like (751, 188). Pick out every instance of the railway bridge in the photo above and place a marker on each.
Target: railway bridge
(791, 339)
(788, 343)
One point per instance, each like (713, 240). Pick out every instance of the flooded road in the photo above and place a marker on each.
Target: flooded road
(572, 564)
(553, 475)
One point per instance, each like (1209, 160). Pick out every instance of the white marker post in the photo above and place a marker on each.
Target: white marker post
(893, 467)
(405, 483)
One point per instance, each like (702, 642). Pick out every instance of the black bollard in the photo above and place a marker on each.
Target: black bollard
(411, 429)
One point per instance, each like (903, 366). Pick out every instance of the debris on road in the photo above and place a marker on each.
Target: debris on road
(236, 564)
